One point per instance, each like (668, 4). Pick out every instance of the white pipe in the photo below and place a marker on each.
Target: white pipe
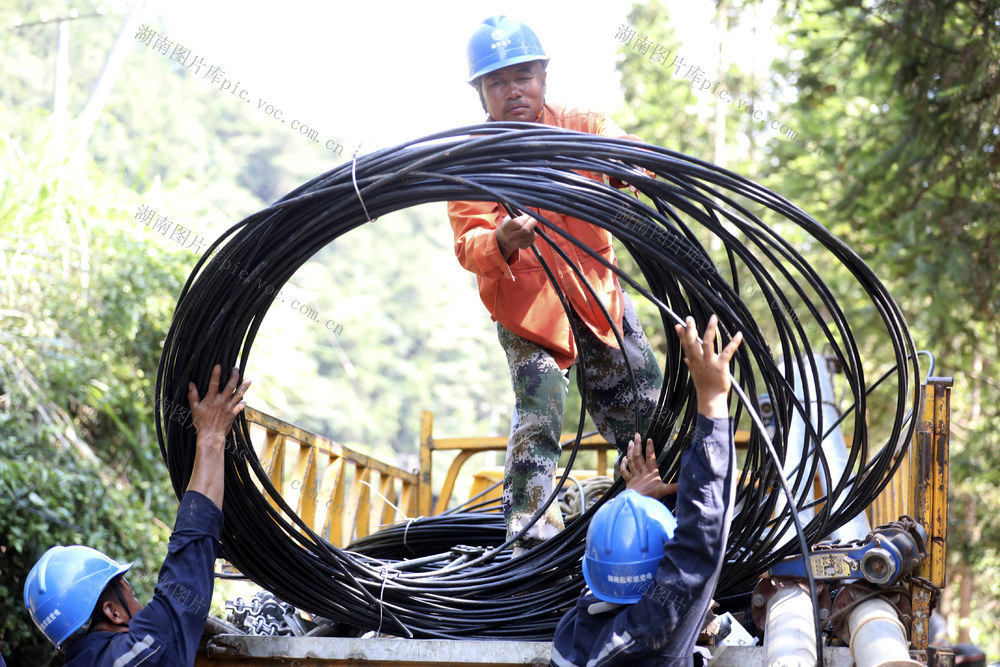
(878, 639)
(821, 414)
(835, 450)
(789, 629)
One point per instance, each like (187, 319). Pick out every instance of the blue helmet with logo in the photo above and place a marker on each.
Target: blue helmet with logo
(624, 546)
(499, 42)
(63, 587)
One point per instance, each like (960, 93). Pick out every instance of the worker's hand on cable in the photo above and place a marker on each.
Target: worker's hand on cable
(709, 369)
(516, 233)
(213, 415)
(631, 188)
(639, 171)
(640, 472)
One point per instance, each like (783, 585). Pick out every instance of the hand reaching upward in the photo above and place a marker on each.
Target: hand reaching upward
(640, 472)
(709, 369)
(213, 417)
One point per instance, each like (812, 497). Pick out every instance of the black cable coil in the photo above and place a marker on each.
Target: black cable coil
(532, 167)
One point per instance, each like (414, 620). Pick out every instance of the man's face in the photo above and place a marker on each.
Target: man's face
(514, 93)
(134, 606)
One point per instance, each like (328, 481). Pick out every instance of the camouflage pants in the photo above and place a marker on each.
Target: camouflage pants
(540, 389)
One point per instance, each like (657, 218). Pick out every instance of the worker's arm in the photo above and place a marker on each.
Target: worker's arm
(213, 418)
(672, 613)
(167, 630)
(606, 126)
(477, 245)
(667, 619)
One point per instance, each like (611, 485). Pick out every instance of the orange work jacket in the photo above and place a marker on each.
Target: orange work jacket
(517, 292)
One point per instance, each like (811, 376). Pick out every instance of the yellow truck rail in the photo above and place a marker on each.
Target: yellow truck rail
(468, 447)
(341, 494)
(920, 489)
(350, 495)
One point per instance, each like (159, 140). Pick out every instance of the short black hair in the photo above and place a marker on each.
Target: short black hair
(107, 595)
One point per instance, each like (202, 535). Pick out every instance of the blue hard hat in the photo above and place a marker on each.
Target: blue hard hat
(63, 587)
(499, 42)
(624, 546)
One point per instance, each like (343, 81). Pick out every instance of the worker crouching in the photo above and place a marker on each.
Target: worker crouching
(79, 597)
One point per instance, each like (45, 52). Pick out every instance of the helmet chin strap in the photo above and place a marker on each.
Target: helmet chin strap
(121, 600)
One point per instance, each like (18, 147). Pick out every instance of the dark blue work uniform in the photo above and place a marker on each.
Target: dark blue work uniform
(663, 626)
(168, 629)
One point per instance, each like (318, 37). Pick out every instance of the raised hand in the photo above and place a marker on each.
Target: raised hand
(640, 472)
(709, 370)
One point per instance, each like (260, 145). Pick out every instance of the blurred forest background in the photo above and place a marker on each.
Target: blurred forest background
(896, 112)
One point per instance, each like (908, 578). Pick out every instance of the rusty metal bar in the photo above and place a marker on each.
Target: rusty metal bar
(929, 493)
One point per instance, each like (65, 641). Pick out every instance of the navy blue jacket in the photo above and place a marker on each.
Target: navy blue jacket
(168, 629)
(663, 626)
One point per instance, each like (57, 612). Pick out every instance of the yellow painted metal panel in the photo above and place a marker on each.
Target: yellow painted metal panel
(387, 498)
(939, 506)
(325, 505)
(408, 498)
(308, 491)
(333, 490)
(424, 494)
(273, 461)
(929, 493)
(361, 491)
(450, 479)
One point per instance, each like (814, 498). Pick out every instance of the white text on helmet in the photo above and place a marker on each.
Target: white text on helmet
(48, 619)
(630, 579)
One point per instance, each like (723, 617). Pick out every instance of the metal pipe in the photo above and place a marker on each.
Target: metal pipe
(878, 639)
(822, 413)
(835, 449)
(789, 631)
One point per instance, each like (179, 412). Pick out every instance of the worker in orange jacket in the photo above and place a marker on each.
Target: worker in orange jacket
(507, 69)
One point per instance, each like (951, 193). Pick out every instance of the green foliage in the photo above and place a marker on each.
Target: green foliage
(905, 100)
(658, 105)
(896, 106)
(85, 301)
(911, 165)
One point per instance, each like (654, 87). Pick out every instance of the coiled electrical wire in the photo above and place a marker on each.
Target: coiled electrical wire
(704, 240)
(434, 534)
